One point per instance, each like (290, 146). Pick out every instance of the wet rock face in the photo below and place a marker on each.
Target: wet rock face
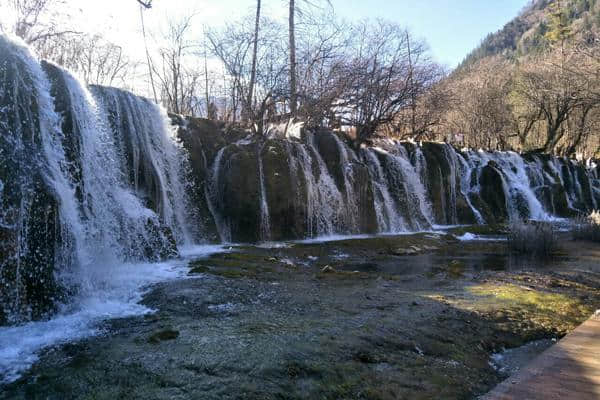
(202, 139)
(286, 192)
(492, 193)
(297, 188)
(365, 199)
(239, 185)
(29, 233)
(329, 149)
(438, 178)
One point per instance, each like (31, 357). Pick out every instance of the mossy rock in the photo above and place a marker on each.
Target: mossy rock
(163, 335)
(492, 193)
(239, 192)
(286, 194)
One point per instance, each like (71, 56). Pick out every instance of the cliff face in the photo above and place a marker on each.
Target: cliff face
(258, 188)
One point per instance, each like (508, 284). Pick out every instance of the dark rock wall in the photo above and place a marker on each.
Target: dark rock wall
(460, 187)
(29, 229)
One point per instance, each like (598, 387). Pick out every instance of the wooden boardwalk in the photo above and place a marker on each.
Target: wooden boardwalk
(568, 370)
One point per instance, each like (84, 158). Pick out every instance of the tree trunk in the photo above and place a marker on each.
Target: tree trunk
(292, 34)
(249, 98)
(148, 60)
(206, 88)
(413, 100)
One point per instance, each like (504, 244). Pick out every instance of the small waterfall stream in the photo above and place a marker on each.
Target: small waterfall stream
(265, 223)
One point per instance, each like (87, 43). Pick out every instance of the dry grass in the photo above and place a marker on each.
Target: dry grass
(534, 238)
(587, 227)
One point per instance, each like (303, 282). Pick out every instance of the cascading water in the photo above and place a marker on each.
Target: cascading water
(466, 171)
(346, 160)
(323, 200)
(212, 197)
(32, 147)
(522, 201)
(68, 153)
(401, 193)
(265, 224)
(388, 219)
(452, 158)
(331, 217)
(421, 215)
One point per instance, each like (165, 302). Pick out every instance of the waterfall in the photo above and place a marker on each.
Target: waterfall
(521, 199)
(466, 168)
(92, 196)
(330, 208)
(421, 215)
(388, 218)
(265, 226)
(109, 161)
(322, 199)
(31, 146)
(402, 193)
(157, 159)
(95, 193)
(211, 192)
(351, 208)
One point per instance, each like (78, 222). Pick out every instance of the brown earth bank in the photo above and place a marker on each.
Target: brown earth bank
(388, 317)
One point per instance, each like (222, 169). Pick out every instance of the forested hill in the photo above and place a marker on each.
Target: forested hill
(532, 86)
(527, 34)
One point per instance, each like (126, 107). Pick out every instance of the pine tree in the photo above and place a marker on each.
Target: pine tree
(559, 25)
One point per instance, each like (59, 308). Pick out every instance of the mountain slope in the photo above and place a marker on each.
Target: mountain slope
(527, 33)
(532, 86)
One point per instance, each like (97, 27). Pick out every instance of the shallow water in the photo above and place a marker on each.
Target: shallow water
(117, 294)
(510, 361)
(266, 321)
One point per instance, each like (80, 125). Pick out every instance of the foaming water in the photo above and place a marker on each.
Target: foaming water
(109, 161)
(337, 238)
(117, 293)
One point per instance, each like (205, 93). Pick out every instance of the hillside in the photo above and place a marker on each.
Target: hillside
(532, 86)
(527, 33)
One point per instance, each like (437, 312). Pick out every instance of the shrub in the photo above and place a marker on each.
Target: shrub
(587, 227)
(534, 238)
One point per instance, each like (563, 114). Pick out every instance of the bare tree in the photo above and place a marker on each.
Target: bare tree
(233, 46)
(292, 50)
(321, 62)
(97, 60)
(249, 100)
(480, 112)
(379, 69)
(178, 81)
(144, 5)
(428, 105)
(293, 66)
(39, 20)
(556, 93)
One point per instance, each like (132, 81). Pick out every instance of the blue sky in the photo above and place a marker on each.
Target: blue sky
(451, 27)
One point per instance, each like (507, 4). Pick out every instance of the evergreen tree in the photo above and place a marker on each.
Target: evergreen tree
(559, 27)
